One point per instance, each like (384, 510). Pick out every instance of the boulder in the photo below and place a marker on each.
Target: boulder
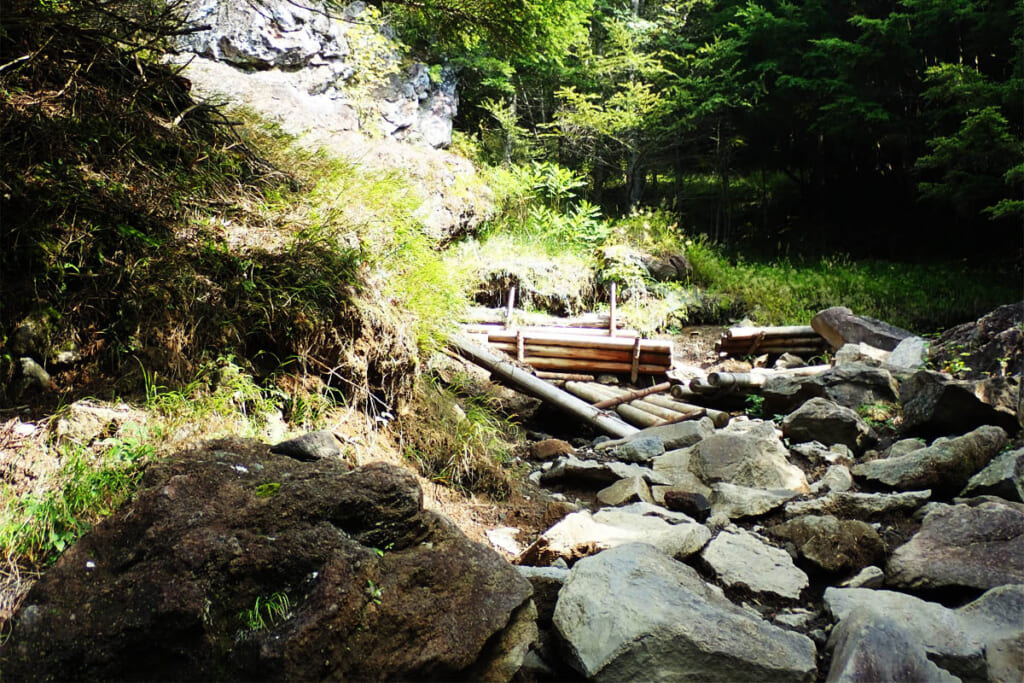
(740, 558)
(582, 534)
(674, 467)
(368, 584)
(641, 450)
(1003, 477)
(836, 478)
(826, 422)
(993, 345)
(934, 404)
(669, 268)
(753, 457)
(546, 582)
(689, 503)
(832, 544)
(632, 613)
(815, 452)
(851, 385)
(944, 467)
(736, 502)
(588, 473)
(860, 353)
(624, 491)
(869, 577)
(87, 420)
(672, 436)
(860, 505)
(310, 446)
(909, 355)
(962, 546)
(839, 326)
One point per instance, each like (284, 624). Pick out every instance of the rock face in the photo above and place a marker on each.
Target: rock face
(945, 466)
(318, 51)
(754, 457)
(376, 586)
(741, 558)
(960, 545)
(632, 613)
(834, 545)
(1003, 477)
(936, 405)
(839, 325)
(993, 344)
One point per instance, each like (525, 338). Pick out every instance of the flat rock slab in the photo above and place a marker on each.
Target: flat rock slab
(590, 473)
(839, 325)
(672, 436)
(739, 558)
(1003, 477)
(631, 614)
(582, 534)
(832, 544)
(944, 467)
(860, 505)
(961, 545)
(737, 502)
(378, 586)
(752, 456)
(624, 491)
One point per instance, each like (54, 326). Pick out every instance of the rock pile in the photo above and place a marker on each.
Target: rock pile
(821, 546)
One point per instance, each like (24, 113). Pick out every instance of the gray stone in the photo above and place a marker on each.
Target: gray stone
(633, 614)
(826, 422)
(739, 558)
(86, 420)
(795, 618)
(904, 447)
(997, 618)
(836, 454)
(788, 361)
(625, 491)
(860, 505)
(910, 354)
(592, 473)
(641, 450)
(991, 346)
(674, 466)
(736, 502)
(832, 544)
(960, 545)
(33, 375)
(672, 436)
(836, 478)
(839, 326)
(864, 354)
(546, 582)
(581, 534)
(934, 404)
(871, 646)
(944, 467)
(854, 384)
(692, 504)
(1003, 477)
(753, 457)
(310, 446)
(869, 577)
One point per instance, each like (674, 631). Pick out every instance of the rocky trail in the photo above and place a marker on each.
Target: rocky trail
(816, 547)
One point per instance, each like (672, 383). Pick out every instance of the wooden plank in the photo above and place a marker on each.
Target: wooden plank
(557, 339)
(577, 365)
(783, 331)
(646, 358)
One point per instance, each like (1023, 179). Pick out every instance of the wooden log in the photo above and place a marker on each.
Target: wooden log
(557, 338)
(564, 376)
(746, 382)
(589, 391)
(615, 355)
(631, 395)
(716, 400)
(638, 417)
(583, 365)
(611, 312)
(784, 331)
(542, 390)
(719, 417)
(482, 315)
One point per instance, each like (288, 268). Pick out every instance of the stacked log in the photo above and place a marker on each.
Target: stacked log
(643, 408)
(557, 351)
(800, 340)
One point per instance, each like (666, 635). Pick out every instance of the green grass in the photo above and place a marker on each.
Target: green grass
(266, 612)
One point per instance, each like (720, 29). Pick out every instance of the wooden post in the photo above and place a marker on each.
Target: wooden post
(511, 305)
(634, 372)
(611, 317)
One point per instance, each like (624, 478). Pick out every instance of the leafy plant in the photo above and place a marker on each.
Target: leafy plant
(375, 592)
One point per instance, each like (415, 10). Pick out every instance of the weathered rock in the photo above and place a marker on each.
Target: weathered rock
(1003, 477)
(669, 268)
(87, 420)
(788, 361)
(869, 577)
(834, 545)
(692, 504)
(870, 646)
(850, 385)
(979, 641)
(861, 353)
(736, 502)
(624, 491)
(546, 582)
(944, 467)
(672, 436)
(836, 454)
(934, 404)
(904, 447)
(754, 457)
(836, 478)
(739, 558)
(839, 326)
(860, 505)
(960, 545)
(826, 422)
(674, 467)
(909, 355)
(156, 590)
(592, 473)
(633, 614)
(549, 449)
(308, 447)
(641, 450)
(34, 375)
(582, 534)
(993, 345)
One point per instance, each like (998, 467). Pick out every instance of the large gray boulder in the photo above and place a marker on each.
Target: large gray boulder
(631, 613)
(944, 467)
(672, 436)
(752, 456)
(993, 345)
(839, 325)
(737, 502)
(376, 586)
(829, 423)
(851, 385)
(856, 505)
(934, 404)
(1003, 477)
(591, 473)
(962, 546)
